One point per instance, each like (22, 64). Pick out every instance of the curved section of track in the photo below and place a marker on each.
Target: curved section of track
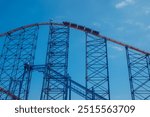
(78, 27)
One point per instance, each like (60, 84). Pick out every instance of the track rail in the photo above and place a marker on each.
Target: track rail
(9, 94)
(78, 27)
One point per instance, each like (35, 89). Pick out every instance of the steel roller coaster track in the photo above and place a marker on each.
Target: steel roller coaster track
(17, 64)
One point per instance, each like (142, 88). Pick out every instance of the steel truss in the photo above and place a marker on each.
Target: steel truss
(17, 65)
(97, 74)
(57, 60)
(18, 49)
(72, 86)
(139, 74)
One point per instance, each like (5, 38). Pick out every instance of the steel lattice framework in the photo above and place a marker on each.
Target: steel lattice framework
(18, 56)
(97, 76)
(19, 48)
(72, 86)
(57, 60)
(139, 74)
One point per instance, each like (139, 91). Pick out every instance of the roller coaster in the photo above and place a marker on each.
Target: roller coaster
(18, 57)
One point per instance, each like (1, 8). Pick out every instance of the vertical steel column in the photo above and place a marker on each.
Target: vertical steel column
(18, 49)
(56, 60)
(97, 74)
(139, 74)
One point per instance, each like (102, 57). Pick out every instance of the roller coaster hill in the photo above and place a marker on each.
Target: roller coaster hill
(17, 63)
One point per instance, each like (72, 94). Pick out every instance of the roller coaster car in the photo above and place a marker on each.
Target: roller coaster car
(74, 25)
(88, 30)
(95, 32)
(66, 23)
(80, 27)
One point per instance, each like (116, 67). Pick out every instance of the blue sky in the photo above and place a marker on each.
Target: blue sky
(124, 20)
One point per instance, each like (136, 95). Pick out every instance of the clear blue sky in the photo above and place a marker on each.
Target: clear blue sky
(124, 20)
